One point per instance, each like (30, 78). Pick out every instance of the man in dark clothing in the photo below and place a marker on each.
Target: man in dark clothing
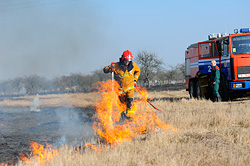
(215, 81)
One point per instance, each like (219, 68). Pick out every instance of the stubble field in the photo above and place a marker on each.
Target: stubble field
(207, 133)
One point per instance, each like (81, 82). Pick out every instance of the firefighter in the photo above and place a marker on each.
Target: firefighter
(215, 81)
(126, 73)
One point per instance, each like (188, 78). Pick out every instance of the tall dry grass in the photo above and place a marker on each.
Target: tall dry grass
(207, 134)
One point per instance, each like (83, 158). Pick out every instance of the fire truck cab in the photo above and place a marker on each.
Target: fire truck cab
(232, 55)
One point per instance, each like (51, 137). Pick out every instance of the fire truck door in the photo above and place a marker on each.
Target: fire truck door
(207, 53)
(225, 59)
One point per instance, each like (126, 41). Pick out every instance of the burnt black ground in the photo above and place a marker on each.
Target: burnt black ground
(19, 126)
(170, 87)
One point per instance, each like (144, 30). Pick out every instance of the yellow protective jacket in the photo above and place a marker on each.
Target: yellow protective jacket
(125, 78)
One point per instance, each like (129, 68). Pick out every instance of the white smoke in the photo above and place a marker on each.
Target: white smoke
(74, 125)
(34, 106)
(59, 143)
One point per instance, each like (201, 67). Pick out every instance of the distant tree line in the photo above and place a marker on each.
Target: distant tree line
(152, 73)
(34, 84)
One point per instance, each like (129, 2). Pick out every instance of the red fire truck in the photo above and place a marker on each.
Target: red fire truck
(231, 53)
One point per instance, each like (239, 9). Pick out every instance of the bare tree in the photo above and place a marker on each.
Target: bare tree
(34, 84)
(171, 74)
(149, 64)
(181, 70)
(175, 73)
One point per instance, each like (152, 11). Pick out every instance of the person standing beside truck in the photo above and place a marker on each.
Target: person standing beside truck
(126, 74)
(215, 81)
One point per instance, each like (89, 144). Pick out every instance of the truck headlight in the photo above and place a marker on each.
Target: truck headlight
(237, 85)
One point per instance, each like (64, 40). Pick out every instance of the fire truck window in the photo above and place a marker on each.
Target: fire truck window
(241, 44)
(208, 50)
(205, 50)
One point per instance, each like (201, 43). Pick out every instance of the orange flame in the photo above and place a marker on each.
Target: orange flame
(3, 164)
(39, 153)
(109, 110)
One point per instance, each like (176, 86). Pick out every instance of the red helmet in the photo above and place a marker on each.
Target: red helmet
(127, 55)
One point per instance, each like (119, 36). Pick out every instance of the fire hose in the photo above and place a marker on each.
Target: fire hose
(112, 74)
(145, 98)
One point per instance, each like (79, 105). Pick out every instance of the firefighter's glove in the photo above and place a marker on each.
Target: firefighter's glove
(111, 69)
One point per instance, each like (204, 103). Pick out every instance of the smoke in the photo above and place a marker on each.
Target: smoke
(59, 143)
(49, 41)
(35, 104)
(73, 125)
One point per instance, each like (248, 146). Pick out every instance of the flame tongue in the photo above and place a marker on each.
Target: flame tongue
(109, 110)
(39, 153)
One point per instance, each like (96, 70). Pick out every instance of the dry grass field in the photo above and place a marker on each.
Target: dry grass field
(207, 133)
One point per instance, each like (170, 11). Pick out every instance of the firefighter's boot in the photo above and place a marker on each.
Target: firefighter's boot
(126, 115)
(129, 112)
(214, 99)
(219, 99)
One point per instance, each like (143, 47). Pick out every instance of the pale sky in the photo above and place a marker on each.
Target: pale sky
(58, 37)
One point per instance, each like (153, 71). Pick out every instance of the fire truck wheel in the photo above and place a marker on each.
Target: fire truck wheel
(198, 90)
(192, 89)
